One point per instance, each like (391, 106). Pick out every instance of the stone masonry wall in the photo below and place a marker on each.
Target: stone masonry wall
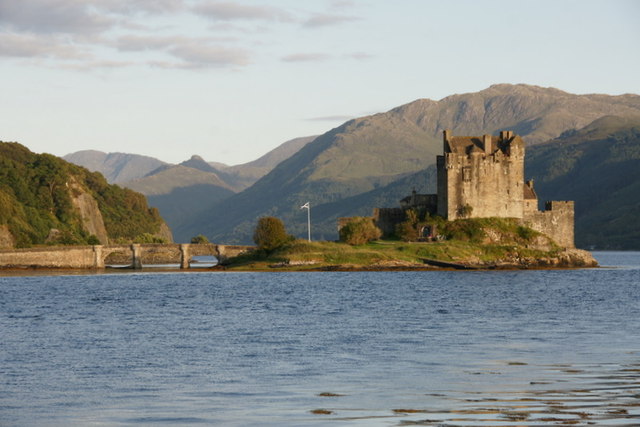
(556, 221)
(386, 219)
(490, 184)
(64, 257)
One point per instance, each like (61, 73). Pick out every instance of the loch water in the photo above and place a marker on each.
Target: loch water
(473, 348)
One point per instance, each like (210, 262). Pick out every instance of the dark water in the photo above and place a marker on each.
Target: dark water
(504, 348)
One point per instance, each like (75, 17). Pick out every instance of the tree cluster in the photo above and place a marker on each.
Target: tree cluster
(359, 230)
(36, 199)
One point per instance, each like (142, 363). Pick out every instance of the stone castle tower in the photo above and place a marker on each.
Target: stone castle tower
(480, 177)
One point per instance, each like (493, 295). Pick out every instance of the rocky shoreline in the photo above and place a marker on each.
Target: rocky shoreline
(565, 259)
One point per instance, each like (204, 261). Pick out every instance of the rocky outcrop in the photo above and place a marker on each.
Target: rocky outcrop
(565, 258)
(6, 238)
(165, 233)
(90, 214)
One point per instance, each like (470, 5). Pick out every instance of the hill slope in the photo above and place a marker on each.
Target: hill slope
(244, 175)
(181, 192)
(370, 152)
(599, 168)
(44, 199)
(116, 167)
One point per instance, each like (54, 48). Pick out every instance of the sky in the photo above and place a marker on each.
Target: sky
(231, 80)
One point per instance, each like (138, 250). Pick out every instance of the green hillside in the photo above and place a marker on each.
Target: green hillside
(41, 193)
(599, 168)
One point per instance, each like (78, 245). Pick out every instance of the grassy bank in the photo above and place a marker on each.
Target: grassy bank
(468, 243)
(302, 255)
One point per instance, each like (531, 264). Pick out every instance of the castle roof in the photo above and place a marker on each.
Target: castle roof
(475, 144)
(529, 193)
(469, 144)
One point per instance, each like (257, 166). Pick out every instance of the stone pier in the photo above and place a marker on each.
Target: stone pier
(136, 257)
(184, 255)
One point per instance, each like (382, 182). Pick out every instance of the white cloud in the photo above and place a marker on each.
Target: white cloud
(52, 16)
(32, 46)
(201, 55)
(192, 52)
(228, 11)
(134, 43)
(306, 57)
(326, 20)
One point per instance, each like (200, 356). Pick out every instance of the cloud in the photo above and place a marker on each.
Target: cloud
(141, 6)
(52, 16)
(306, 57)
(32, 46)
(192, 52)
(326, 20)
(133, 43)
(360, 56)
(199, 55)
(227, 11)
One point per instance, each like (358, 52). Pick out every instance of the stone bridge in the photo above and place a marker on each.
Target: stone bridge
(99, 256)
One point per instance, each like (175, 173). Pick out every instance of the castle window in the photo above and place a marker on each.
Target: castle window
(466, 174)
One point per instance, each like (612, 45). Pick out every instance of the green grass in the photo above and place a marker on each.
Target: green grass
(301, 255)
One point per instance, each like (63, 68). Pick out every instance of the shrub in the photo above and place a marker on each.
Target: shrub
(93, 240)
(526, 233)
(465, 211)
(464, 229)
(270, 233)
(359, 230)
(199, 239)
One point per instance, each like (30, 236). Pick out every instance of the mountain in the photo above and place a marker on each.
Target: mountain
(187, 190)
(371, 152)
(180, 192)
(47, 200)
(244, 175)
(116, 167)
(599, 168)
(535, 113)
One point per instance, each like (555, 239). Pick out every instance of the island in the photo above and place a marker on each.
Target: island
(484, 216)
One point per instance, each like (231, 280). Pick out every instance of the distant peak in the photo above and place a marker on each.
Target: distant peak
(197, 158)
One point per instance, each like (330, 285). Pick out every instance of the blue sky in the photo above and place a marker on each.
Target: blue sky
(231, 80)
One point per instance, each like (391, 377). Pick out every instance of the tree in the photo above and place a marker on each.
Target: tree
(270, 233)
(408, 229)
(199, 239)
(359, 230)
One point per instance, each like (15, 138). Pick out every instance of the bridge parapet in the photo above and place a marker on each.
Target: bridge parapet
(98, 256)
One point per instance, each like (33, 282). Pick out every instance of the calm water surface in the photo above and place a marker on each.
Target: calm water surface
(526, 348)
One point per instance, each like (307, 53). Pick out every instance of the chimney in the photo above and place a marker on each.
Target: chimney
(446, 137)
(488, 144)
(506, 135)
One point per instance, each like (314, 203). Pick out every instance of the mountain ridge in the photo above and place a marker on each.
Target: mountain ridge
(370, 152)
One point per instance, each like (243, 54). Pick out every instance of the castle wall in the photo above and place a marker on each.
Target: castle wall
(386, 219)
(442, 186)
(556, 221)
(490, 184)
(530, 207)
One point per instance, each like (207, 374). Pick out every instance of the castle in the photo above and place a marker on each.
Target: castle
(483, 176)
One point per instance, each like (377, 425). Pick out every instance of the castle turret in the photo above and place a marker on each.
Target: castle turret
(487, 143)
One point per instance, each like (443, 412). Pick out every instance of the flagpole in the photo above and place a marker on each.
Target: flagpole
(307, 206)
(309, 221)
